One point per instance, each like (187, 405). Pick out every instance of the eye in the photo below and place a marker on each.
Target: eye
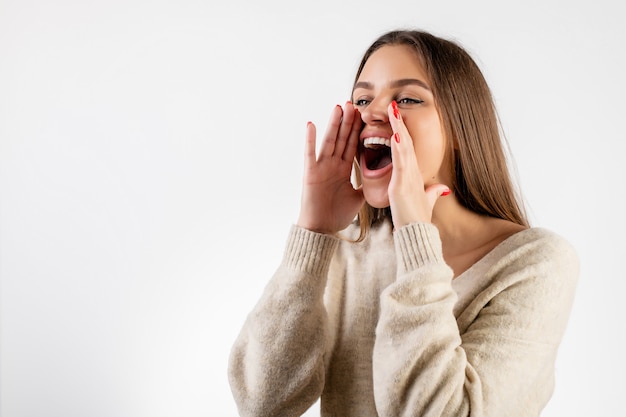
(408, 100)
(361, 102)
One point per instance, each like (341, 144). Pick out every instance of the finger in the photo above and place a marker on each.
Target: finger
(344, 129)
(330, 137)
(436, 191)
(402, 150)
(353, 139)
(309, 146)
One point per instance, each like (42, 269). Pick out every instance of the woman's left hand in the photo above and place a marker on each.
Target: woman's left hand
(410, 201)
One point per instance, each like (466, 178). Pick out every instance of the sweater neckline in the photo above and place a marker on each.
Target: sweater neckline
(496, 253)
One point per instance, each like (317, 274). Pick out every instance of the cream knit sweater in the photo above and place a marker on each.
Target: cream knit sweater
(380, 328)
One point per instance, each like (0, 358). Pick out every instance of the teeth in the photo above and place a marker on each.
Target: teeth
(367, 142)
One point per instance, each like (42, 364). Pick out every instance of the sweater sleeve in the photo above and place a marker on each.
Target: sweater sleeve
(502, 363)
(276, 365)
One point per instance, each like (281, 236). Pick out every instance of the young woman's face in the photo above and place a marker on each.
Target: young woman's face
(394, 72)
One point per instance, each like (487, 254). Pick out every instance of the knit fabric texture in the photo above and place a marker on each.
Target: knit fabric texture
(381, 328)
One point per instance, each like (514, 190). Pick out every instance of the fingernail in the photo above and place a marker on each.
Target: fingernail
(446, 192)
(396, 112)
(396, 137)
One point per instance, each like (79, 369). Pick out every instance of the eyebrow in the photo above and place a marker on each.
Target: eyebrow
(394, 84)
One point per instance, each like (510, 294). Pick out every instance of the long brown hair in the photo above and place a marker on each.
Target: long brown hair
(481, 178)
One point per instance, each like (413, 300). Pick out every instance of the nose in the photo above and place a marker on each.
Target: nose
(376, 112)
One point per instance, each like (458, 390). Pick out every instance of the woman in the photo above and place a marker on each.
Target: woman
(439, 300)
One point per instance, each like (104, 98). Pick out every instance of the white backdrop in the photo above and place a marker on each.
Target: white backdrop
(150, 166)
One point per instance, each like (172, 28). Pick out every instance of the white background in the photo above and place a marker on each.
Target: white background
(150, 166)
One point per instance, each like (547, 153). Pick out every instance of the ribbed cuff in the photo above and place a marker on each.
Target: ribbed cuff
(308, 251)
(417, 244)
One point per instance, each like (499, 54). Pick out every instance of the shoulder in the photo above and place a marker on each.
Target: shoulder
(539, 244)
(539, 257)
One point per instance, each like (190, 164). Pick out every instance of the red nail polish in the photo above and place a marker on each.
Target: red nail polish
(396, 112)
(396, 137)
(446, 192)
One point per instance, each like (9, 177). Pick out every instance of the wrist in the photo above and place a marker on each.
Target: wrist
(314, 228)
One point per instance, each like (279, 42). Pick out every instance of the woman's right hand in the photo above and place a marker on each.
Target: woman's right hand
(329, 201)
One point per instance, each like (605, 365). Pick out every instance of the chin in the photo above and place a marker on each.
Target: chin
(376, 198)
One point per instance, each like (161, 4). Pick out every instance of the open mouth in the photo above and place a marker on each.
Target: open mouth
(376, 153)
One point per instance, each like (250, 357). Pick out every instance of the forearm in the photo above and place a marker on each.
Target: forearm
(418, 362)
(277, 362)
(418, 330)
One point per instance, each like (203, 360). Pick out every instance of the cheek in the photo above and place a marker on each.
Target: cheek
(430, 148)
(424, 126)
(428, 139)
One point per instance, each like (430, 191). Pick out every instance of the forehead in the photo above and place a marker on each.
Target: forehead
(393, 62)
